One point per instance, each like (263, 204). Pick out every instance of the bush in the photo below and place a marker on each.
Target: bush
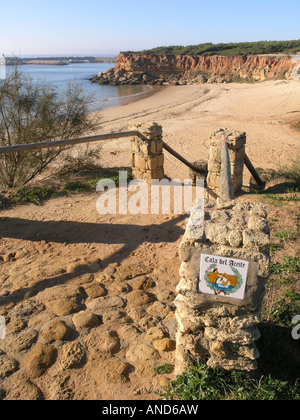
(32, 112)
(239, 48)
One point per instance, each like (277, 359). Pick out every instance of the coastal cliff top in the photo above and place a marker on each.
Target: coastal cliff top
(239, 48)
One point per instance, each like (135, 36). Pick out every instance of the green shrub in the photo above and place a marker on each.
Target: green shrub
(32, 112)
(31, 195)
(200, 382)
(239, 48)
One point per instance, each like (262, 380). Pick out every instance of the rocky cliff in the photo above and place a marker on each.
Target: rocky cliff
(158, 69)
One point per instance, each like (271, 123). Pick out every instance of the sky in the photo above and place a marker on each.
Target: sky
(41, 27)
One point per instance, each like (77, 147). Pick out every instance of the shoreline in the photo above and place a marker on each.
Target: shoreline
(135, 97)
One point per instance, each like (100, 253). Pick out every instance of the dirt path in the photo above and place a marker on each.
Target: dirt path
(122, 269)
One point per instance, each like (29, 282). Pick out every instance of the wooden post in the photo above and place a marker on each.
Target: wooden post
(253, 172)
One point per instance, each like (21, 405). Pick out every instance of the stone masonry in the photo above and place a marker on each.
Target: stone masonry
(147, 153)
(236, 145)
(222, 330)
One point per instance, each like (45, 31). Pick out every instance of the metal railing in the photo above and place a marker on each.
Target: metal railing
(83, 140)
(227, 183)
(68, 142)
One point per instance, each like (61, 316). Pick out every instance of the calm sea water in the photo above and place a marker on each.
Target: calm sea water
(103, 96)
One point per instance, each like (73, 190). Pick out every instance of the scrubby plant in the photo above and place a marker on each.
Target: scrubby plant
(34, 112)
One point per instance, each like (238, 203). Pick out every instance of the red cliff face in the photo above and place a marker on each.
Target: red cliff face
(245, 67)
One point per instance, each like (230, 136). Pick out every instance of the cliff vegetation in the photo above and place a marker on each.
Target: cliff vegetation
(239, 48)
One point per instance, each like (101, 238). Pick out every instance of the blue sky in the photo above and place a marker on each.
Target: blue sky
(110, 26)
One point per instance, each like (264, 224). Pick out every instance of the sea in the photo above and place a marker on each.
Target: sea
(103, 96)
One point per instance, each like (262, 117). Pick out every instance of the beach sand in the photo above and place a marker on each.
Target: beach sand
(188, 114)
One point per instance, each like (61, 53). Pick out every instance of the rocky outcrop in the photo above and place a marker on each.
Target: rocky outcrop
(132, 68)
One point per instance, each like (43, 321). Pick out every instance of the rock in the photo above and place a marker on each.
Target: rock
(145, 370)
(109, 342)
(101, 305)
(102, 343)
(2, 390)
(39, 359)
(141, 353)
(155, 333)
(146, 78)
(164, 382)
(147, 322)
(256, 240)
(110, 270)
(257, 222)
(170, 323)
(201, 79)
(55, 330)
(143, 283)
(138, 298)
(129, 333)
(37, 322)
(165, 344)
(165, 296)
(111, 371)
(25, 390)
(72, 355)
(19, 342)
(217, 233)
(158, 309)
(95, 290)
(235, 238)
(65, 306)
(120, 287)
(63, 300)
(62, 388)
(26, 308)
(10, 257)
(85, 319)
(15, 326)
(137, 314)
(59, 292)
(126, 272)
(115, 316)
(8, 366)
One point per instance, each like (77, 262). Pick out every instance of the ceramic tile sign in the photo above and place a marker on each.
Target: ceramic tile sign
(223, 276)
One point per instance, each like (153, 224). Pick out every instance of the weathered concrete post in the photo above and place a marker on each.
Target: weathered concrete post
(224, 270)
(236, 146)
(147, 154)
(226, 188)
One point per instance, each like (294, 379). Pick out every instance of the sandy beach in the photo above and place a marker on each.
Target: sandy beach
(188, 114)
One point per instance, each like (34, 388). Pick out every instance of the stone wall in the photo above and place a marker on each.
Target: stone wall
(236, 145)
(147, 154)
(216, 328)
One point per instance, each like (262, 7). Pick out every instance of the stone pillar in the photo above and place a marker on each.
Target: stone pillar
(147, 154)
(236, 145)
(224, 270)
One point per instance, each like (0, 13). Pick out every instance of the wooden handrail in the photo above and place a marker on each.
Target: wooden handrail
(182, 159)
(68, 142)
(253, 172)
